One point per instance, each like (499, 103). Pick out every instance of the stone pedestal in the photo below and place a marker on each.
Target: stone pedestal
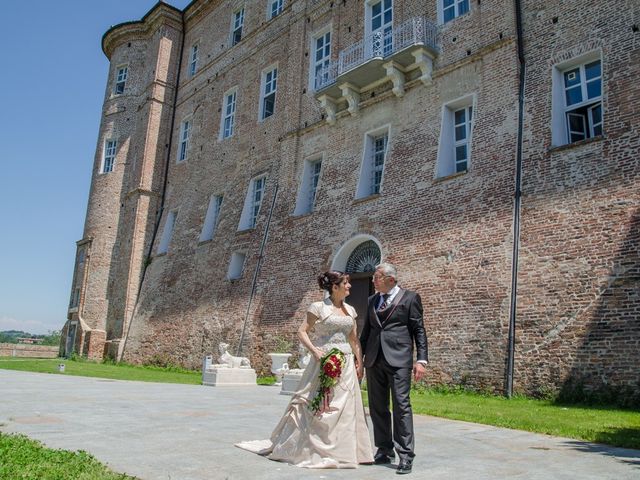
(225, 376)
(290, 381)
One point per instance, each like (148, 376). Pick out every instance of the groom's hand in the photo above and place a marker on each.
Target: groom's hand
(419, 371)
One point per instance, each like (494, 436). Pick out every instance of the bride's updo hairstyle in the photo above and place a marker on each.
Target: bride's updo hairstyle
(328, 279)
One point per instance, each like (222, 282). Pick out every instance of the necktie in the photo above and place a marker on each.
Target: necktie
(383, 305)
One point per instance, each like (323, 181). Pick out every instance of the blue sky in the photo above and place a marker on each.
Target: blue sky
(51, 92)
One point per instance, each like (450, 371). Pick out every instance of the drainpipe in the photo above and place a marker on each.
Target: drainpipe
(517, 203)
(164, 184)
(257, 271)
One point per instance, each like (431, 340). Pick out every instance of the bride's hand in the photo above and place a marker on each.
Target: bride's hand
(317, 353)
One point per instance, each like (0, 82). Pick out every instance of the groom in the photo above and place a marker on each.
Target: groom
(393, 324)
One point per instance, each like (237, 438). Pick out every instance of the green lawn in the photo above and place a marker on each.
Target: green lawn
(102, 370)
(25, 459)
(594, 424)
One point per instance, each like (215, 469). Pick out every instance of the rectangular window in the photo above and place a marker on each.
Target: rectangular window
(258, 193)
(121, 80)
(453, 8)
(582, 87)
(269, 87)
(109, 156)
(373, 160)
(75, 298)
(252, 202)
(236, 265)
(275, 7)
(228, 114)
(211, 220)
(462, 120)
(236, 30)
(308, 186)
(193, 60)
(167, 232)
(321, 60)
(185, 134)
(454, 148)
(377, 158)
(380, 27)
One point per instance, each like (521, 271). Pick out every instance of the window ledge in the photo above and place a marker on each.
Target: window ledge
(204, 242)
(367, 198)
(301, 215)
(245, 230)
(450, 177)
(73, 310)
(568, 146)
(158, 255)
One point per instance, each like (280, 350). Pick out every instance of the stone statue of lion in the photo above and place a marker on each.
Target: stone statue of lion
(231, 361)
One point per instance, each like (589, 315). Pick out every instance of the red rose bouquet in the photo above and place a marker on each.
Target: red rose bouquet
(331, 366)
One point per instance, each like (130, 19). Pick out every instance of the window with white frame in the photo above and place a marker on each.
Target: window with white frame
(193, 60)
(167, 232)
(275, 8)
(236, 28)
(252, 202)
(451, 9)
(228, 114)
(321, 59)
(121, 79)
(454, 148)
(236, 265)
(268, 97)
(373, 159)
(109, 156)
(211, 220)
(308, 186)
(379, 27)
(185, 135)
(577, 100)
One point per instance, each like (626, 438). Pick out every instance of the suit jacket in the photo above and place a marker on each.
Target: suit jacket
(395, 336)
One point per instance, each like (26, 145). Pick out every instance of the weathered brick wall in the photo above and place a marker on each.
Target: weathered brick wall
(451, 238)
(442, 230)
(579, 306)
(30, 351)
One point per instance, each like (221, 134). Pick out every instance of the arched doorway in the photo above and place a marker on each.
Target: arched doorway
(359, 257)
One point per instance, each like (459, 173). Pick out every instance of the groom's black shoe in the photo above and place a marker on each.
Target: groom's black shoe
(404, 466)
(382, 457)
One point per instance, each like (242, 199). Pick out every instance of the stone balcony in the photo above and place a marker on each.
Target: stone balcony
(378, 57)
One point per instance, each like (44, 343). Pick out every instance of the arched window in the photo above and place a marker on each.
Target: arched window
(364, 258)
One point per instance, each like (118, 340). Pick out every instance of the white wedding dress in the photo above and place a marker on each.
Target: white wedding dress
(338, 438)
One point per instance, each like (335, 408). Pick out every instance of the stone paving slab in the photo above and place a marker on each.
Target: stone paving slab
(186, 432)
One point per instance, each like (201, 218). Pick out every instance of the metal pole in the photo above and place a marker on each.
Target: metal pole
(256, 271)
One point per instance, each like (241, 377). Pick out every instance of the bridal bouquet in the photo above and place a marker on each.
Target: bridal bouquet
(330, 370)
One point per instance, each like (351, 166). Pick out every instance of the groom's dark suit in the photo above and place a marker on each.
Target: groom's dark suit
(387, 341)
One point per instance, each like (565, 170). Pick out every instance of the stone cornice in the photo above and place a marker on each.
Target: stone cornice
(160, 14)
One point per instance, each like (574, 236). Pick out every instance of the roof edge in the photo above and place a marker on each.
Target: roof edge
(142, 26)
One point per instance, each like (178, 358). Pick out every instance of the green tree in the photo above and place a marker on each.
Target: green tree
(51, 338)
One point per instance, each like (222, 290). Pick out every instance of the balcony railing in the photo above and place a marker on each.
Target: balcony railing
(380, 45)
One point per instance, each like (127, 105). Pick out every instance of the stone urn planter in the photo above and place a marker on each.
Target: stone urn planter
(277, 362)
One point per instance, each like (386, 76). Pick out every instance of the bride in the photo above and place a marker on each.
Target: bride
(336, 436)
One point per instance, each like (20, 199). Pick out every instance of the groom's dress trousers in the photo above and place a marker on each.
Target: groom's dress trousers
(387, 340)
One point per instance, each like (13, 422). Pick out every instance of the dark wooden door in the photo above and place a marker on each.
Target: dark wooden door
(361, 289)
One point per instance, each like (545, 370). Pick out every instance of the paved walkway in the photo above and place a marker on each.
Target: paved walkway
(186, 432)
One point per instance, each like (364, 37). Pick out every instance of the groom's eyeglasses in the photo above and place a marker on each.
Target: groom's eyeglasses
(379, 277)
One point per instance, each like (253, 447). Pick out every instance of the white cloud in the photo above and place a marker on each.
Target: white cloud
(35, 327)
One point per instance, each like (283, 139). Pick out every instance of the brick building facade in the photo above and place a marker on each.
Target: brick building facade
(488, 149)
